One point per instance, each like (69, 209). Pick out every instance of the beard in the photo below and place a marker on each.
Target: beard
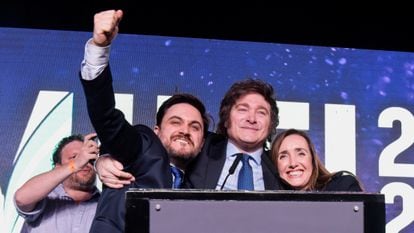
(181, 157)
(82, 182)
(178, 152)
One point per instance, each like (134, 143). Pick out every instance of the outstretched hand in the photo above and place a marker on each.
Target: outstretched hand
(106, 26)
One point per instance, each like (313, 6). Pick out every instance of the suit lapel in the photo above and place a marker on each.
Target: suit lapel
(216, 158)
(270, 176)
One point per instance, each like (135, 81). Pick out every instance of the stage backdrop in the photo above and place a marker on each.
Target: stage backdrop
(356, 104)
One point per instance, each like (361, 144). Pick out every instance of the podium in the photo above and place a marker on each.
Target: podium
(202, 211)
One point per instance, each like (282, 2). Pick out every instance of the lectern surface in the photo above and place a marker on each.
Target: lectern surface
(253, 211)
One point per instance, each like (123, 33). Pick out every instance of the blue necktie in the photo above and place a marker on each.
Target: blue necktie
(178, 177)
(245, 181)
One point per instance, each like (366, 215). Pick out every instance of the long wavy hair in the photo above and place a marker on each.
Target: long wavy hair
(320, 175)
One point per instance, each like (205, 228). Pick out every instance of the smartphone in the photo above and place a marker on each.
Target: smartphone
(96, 139)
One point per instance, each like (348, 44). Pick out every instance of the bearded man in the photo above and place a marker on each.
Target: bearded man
(157, 157)
(64, 198)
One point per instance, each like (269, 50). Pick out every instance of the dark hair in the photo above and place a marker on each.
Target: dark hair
(240, 89)
(57, 153)
(320, 176)
(188, 99)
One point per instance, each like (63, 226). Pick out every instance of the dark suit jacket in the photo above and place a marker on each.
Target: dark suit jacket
(143, 155)
(343, 181)
(204, 172)
(138, 148)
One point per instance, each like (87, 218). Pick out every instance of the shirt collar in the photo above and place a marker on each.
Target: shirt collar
(172, 165)
(232, 149)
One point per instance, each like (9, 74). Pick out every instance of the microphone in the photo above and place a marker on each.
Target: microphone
(232, 169)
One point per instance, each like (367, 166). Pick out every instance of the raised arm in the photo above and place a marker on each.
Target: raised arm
(137, 147)
(106, 27)
(116, 134)
(38, 187)
(97, 49)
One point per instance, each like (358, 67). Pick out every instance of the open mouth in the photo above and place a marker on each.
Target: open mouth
(183, 140)
(294, 174)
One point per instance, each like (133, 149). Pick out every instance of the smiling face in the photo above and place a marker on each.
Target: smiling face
(249, 122)
(294, 161)
(181, 133)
